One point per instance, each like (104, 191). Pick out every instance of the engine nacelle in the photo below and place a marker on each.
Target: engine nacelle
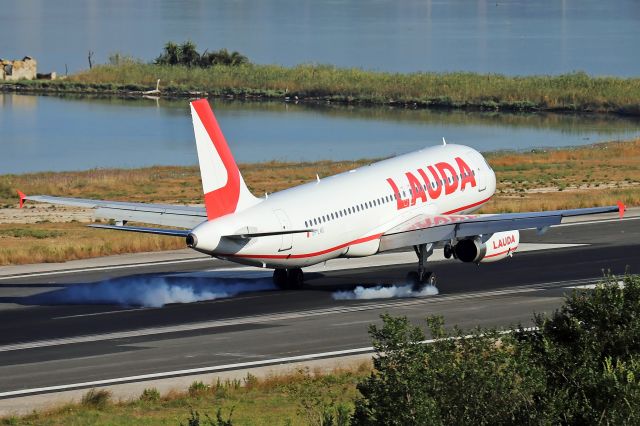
(499, 246)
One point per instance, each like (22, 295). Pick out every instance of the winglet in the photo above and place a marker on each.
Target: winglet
(621, 209)
(22, 197)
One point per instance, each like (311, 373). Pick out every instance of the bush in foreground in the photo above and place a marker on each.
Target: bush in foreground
(581, 366)
(96, 398)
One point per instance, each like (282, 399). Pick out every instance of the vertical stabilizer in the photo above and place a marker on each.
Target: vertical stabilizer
(224, 189)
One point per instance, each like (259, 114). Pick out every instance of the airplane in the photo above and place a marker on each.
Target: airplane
(418, 200)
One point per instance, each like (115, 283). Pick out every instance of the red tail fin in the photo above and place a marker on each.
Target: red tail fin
(224, 189)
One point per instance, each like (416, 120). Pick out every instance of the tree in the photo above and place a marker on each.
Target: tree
(188, 54)
(589, 350)
(170, 56)
(580, 366)
(479, 379)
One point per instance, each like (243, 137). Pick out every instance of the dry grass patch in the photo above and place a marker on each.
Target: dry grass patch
(589, 176)
(60, 242)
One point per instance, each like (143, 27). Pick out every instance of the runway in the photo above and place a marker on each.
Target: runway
(47, 342)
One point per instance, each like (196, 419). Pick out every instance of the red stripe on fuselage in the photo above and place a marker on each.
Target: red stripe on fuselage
(329, 250)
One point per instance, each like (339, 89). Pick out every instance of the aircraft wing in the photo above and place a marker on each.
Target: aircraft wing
(424, 229)
(157, 214)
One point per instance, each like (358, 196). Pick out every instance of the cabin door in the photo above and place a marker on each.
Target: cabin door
(285, 225)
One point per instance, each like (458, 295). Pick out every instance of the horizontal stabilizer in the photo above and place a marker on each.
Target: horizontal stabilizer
(158, 231)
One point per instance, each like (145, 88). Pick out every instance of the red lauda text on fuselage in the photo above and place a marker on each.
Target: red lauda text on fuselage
(504, 242)
(440, 172)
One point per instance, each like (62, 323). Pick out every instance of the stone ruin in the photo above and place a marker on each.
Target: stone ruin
(25, 69)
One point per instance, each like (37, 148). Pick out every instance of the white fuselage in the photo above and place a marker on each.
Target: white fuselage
(348, 213)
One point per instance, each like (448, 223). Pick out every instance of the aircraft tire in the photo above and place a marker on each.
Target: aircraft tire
(413, 279)
(280, 278)
(416, 285)
(448, 251)
(295, 278)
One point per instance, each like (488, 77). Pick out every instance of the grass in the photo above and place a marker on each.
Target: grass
(570, 92)
(60, 242)
(589, 176)
(298, 398)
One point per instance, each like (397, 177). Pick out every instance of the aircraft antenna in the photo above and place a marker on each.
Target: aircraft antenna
(444, 142)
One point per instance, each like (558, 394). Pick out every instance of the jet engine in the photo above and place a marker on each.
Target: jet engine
(497, 247)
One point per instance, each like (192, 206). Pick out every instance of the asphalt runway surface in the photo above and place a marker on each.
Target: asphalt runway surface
(52, 334)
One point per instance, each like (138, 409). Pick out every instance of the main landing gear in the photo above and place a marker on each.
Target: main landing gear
(422, 278)
(288, 279)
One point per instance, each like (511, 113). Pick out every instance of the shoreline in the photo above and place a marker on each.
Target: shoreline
(575, 93)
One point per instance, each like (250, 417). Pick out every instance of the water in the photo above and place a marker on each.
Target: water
(39, 133)
(510, 37)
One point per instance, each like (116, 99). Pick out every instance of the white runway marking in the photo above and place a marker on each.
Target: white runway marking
(620, 284)
(94, 314)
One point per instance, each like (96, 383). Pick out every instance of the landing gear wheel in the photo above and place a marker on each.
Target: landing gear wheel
(448, 251)
(417, 285)
(280, 278)
(421, 278)
(413, 279)
(295, 278)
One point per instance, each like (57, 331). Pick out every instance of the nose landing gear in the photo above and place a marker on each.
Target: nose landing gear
(422, 278)
(288, 279)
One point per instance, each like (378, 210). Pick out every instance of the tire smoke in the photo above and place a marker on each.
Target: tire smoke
(384, 292)
(152, 291)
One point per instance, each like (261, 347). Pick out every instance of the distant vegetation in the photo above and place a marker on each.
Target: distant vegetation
(187, 55)
(580, 366)
(210, 74)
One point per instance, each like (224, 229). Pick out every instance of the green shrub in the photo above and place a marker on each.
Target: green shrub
(589, 351)
(198, 388)
(580, 366)
(195, 420)
(96, 398)
(150, 394)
